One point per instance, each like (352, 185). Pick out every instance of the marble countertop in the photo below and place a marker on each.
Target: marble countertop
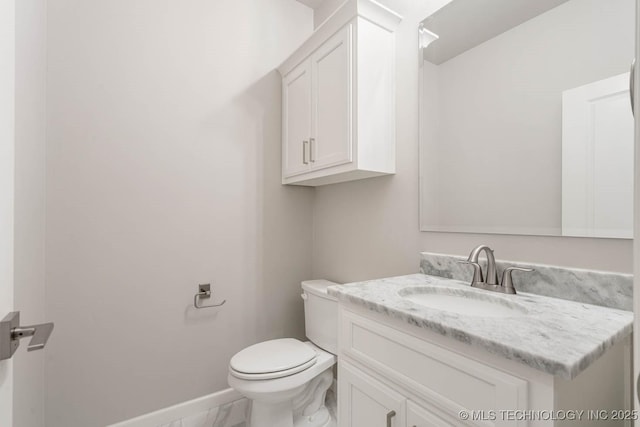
(556, 336)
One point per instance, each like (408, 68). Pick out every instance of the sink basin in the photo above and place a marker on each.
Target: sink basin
(465, 302)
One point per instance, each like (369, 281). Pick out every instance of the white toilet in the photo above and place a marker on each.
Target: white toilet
(286, 379)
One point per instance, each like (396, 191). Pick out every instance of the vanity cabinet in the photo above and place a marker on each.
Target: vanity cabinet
(418, 416)
(338, 99)
(368, 402)
(392, 374)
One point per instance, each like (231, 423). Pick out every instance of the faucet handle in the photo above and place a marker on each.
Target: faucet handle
(477, 271)
(507, 280)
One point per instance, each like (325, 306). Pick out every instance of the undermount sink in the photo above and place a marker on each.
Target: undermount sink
(465, 302)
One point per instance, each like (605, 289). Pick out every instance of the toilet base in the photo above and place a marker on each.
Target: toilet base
(307, 409)
(322, 418)
(270, 414)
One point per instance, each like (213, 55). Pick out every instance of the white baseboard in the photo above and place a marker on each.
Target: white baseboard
(192, 408)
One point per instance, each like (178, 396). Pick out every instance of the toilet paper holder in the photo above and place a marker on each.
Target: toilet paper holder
(204, 292)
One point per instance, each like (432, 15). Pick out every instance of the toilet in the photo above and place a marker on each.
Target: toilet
(285, 379)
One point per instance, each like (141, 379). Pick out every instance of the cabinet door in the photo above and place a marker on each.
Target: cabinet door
(296, 120)
(420, 417)
(332, 101)
(366, 402)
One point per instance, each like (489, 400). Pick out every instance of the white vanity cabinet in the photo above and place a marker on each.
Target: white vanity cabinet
(368, 402)
(393, 374)
(338, 99)
(418, 416)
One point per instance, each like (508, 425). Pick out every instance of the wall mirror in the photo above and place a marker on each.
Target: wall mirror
(525, 120)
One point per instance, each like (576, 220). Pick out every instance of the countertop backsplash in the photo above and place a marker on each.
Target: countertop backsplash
(608, 289)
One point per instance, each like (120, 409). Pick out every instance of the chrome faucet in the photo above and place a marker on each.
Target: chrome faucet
(492, 274)
(491, 283)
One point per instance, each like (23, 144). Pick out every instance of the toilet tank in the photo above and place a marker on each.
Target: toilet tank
(320, 314)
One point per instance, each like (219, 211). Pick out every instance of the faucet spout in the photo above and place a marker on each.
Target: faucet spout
(492, 273)
(491, 283)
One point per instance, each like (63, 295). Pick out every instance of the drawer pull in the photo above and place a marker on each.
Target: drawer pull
(390, 416)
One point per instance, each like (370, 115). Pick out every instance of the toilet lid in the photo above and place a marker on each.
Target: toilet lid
(273, 356)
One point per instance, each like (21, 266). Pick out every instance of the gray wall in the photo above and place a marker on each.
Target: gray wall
(163, 171)
(370, 228)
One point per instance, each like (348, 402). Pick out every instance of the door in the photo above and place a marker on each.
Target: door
(636, 219)
(22, 122)
(7, 126)
(332, 97)
(597, 159)
(296, 96)
(365, 402)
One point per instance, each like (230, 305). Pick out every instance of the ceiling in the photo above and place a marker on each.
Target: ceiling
(464, 24)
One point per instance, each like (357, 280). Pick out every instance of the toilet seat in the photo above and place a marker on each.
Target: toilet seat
(272, 375)
(272, 359)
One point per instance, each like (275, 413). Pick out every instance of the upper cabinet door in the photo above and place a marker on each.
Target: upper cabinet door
(296, 120)
(332, 101)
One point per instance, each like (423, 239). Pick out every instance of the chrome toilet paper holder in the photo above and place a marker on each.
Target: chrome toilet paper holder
(204, 292)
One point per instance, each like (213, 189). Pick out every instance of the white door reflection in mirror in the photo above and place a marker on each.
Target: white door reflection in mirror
(597, 160)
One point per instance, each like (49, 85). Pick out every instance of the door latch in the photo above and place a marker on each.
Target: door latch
(11, 332)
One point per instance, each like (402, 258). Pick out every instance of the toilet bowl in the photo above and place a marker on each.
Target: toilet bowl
(286, 380)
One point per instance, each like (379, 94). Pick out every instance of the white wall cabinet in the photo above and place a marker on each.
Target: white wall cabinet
(297, 124)
(331, 98)
(338, 99)
(392, 374)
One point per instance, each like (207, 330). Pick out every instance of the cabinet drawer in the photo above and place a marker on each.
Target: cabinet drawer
(420, 417)
(447, 379)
